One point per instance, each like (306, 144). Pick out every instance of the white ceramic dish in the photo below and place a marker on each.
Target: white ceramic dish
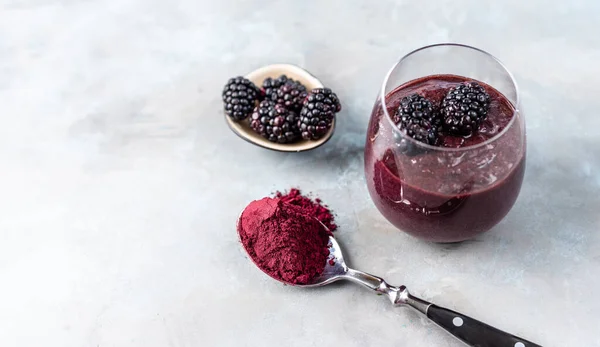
(242, 128)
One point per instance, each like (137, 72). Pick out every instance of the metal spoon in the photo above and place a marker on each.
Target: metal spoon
(242, 128)
(468, 330)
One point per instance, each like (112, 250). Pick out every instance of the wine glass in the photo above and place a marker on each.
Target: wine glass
(463, 185)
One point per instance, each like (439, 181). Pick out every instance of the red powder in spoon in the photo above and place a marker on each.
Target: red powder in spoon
(310, 207)
(284, 240)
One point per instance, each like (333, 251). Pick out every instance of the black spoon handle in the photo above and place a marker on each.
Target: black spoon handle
(470, 331)
(473, 332)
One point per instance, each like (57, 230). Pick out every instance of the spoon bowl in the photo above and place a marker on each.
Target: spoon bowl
(335, 269)
(243, 129)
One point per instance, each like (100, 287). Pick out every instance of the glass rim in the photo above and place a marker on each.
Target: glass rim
(450, 149)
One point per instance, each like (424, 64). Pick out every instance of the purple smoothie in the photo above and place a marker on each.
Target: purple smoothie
(453, 195)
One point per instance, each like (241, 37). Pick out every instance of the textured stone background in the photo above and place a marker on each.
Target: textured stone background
(120, 183)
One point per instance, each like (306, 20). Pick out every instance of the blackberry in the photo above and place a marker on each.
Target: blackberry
(464, 107)
(240, 96)
(291, 95)
(318, 112)
(418, 119)
(271, 85)
(275, 123)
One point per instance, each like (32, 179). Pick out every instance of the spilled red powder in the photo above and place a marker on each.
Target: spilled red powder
(283, 240)
(310, 207)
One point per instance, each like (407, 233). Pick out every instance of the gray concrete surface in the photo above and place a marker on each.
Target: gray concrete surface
(120, 183)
